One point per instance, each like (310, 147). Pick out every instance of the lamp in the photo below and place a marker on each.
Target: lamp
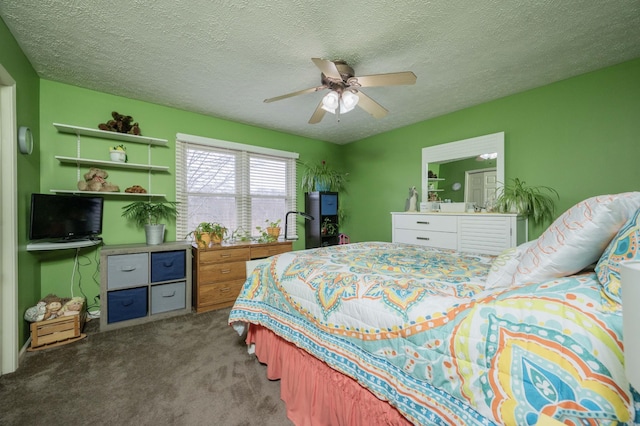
(286, 220)
(630, 282)
(339, 102)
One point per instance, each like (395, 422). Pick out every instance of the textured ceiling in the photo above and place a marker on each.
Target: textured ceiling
(223, 58)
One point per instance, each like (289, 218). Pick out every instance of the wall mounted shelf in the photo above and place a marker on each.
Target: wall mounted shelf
(103, 134)
(79, 161)
(103, 163)
(122, 194)
(63, 245)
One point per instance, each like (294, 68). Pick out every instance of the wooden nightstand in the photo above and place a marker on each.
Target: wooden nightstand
(220, 271)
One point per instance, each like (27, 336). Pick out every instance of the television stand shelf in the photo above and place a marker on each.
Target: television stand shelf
(63, 245)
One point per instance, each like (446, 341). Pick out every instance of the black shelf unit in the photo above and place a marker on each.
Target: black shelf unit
(323, 206)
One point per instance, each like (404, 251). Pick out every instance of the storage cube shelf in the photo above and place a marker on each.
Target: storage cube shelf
(141, 283)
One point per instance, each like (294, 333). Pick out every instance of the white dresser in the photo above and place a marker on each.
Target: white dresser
(486, 233)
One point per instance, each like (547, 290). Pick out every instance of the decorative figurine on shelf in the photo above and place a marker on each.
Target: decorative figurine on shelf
(411, 205)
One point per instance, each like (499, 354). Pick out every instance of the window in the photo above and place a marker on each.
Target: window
(237, 185)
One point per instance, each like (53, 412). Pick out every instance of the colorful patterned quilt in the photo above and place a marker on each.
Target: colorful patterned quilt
(415, 326)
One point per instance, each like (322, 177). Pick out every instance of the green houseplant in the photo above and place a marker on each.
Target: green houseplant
(147, 214)
(218, 232)
(320, 177)
(536, 202)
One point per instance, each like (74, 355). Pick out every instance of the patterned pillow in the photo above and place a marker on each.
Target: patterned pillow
(623, 247)
(577, 238)
(504, 266)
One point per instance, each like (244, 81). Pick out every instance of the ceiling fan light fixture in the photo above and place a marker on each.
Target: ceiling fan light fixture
(331, 101)
(348, 101)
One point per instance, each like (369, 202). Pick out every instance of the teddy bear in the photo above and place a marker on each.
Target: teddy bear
(95, 180)
(121, 124)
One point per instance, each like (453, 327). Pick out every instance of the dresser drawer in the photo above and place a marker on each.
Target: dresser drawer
(445, 240)
(225, 255)
(215, 272)
(127, 270)
(168, 265)
(216, 293)
(426, 222)
(168, 297)
(270, 250)
(126, 304)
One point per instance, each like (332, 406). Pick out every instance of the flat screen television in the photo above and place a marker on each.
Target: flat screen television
(65, 217)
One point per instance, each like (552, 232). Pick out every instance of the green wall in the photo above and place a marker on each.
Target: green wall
(580, 136)
(27, 102)
(61, 103)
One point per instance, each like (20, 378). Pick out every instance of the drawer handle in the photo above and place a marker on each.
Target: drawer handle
(422, 238)
(128, 268)
(423, 222)
(127, 302)
(225, 290)
(173, 293)
(225, 271)
(225, 255)
(167, 264)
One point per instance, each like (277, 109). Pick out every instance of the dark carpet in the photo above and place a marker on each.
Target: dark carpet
(188, 370)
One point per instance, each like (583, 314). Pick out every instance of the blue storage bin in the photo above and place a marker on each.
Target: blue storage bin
(168, 265)
(328, 204)
(126, 304)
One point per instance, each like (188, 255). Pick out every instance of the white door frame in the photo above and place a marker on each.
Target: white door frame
(8, 225)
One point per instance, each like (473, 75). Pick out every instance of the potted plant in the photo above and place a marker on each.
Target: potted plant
(321, 178)
(536, 202)
(147, 214)
(118, 153)
(273, 228)
(328, 227)
(217, 232)
(202, 234)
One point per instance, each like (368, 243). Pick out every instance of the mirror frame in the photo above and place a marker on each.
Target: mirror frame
(462, 149)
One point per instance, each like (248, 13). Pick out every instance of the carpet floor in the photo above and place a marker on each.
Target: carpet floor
(188, 370)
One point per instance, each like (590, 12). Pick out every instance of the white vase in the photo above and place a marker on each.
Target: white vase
(117, 155)
(154, 234)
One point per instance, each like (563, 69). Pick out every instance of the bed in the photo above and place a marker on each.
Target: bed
(389, 333)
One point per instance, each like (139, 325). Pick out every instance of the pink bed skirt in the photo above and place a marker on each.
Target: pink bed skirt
(314, 393)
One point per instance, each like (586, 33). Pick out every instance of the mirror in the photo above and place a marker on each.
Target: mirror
(455, 162)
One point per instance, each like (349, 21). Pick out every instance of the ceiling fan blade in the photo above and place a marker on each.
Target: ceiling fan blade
(300, 92)
(317, 115)
(371, 106)
(391, 79)
(328, 68)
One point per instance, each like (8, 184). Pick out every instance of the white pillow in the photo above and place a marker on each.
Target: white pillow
(577, 238)
(504, 266)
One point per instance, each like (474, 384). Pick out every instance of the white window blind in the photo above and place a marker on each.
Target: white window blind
(237, 185)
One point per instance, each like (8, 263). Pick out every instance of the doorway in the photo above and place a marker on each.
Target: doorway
(480, 186)
(8, 226)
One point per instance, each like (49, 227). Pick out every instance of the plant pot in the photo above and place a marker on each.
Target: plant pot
(117, 155)
(154, 234)
(216, 239)
(322, 185)
(203, 240)
(273, 232)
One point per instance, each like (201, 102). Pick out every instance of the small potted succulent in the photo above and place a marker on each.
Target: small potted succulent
(118, 153)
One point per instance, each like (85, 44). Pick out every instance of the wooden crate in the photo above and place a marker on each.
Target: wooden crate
(57, 331)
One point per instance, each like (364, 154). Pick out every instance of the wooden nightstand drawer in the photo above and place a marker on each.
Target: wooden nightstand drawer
(225, 255)
(216, 272)
(217, 293)
(269, 250)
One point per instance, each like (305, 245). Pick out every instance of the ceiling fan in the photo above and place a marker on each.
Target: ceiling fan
(345, 87)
